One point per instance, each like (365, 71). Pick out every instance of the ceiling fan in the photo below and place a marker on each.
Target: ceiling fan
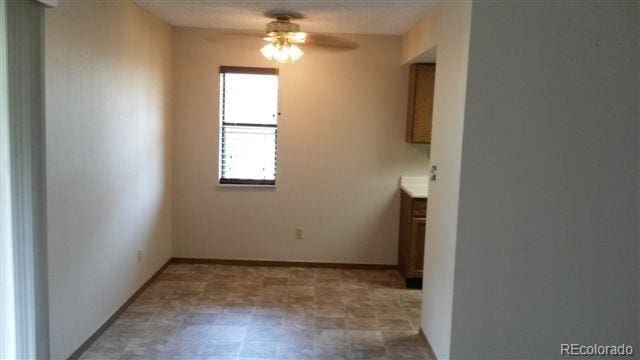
(283, 36)
(285, 39)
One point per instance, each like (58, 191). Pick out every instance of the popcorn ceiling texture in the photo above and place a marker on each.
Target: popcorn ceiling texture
(347, 17)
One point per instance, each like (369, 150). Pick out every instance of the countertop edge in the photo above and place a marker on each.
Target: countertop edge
(412, 194)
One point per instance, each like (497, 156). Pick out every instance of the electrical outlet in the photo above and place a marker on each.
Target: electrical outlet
(139, 255)
(299, 234)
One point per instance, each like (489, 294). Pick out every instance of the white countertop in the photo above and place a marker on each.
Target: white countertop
(415, 186)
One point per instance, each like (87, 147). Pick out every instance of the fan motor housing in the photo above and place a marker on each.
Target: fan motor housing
(282, 26)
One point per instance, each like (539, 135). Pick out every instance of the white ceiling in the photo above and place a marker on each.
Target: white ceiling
(331, 16)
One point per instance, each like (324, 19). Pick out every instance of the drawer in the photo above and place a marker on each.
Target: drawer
(418, 208)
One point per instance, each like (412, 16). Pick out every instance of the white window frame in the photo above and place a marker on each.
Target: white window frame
(244, 182)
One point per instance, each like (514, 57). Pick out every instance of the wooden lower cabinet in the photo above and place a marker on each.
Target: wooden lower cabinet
(412, 237)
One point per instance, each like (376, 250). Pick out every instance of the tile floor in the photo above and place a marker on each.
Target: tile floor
(202, 311)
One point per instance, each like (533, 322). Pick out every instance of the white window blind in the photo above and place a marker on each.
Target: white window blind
(248, 125)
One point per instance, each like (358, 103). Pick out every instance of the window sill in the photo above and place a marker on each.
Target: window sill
(246, 186)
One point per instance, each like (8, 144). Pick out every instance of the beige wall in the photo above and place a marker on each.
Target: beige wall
(108, 107)
(423, 35)
(528, 197)
(449, 30)
(341, 152)
(547, 227)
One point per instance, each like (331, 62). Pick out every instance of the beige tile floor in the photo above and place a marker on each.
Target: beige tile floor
(202, 311)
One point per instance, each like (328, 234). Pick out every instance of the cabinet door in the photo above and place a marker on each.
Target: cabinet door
(418, 227)
(404, 240)
(420, 107)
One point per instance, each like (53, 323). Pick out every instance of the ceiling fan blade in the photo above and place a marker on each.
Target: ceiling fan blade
(329, 42)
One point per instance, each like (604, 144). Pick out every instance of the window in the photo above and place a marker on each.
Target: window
(248, 125)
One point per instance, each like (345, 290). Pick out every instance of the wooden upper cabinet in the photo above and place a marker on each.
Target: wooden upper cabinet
(420, 106)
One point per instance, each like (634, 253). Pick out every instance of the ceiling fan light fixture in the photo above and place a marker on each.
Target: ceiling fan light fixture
(282, 35)
(295, 53)
(298, 37)
(282, 52)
